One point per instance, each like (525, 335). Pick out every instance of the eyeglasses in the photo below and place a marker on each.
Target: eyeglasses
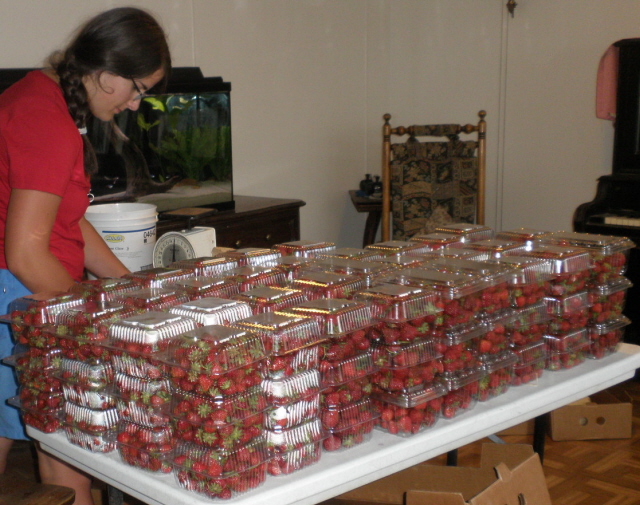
(141, 94)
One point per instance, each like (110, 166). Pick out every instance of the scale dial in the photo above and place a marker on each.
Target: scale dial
(172, 247)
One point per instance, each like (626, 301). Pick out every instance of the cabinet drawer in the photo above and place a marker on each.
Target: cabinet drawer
(258, 232)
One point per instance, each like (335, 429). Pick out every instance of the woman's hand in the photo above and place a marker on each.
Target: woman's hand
(98, 258)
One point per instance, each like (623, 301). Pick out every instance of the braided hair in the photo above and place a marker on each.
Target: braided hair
(124, 41)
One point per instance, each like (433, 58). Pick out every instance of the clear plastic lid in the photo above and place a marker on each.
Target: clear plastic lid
(150, 330)
(286, 390)
(304, 248)
(336, 316)
(396, 303)
(98, 420)
(251, 276)
(401, 261)
(158, 277)
(282, 333)
(212, 310)
(92, 398)
(534, 314)
(270, 298)
(461, 378)
(92, 318)
(531, 352)
(251, 256)
(569, 341)
(152, 298)
(368, 270)
(449, 285)
(496, 247)
(286, 416)
(40, 308)
(493, 273)
(613, 286)
(455, 253)
(214, 349)
(291, 265)
(202, 287)
(563, 259)
(105, 289)
(92, 373)
(527, 235)
(600, 244)
(396, 247)
(412, 399)
(527, 270)
(468, 232)
(500, 362)
(610, 325)
(404, 355)
(439, 241)
(349, 369)
(144, 391)
(316, 285)
(562, 306)
(288, 439)
(206, 266)
(352, 253)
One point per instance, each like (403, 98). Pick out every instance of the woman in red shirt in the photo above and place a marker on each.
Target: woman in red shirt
(45, 165)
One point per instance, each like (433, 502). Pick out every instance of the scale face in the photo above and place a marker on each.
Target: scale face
(183, 245)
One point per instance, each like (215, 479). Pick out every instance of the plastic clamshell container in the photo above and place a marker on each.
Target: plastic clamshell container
(499, 373)
(493, 273)
(144, 391)
(346, 393)
(570, 357)
(462, 391)
(291, 266)
(438, 241)
(91, 320)
(36, 399)
(566, 306)
(90, 398)
(287, 439)
(346, 437)
(316, 285)
(152, 299)
(397, 303)
(285, 463)
(94, 420)
(332, 373)
(397, 247)
(30, 373)
(213, 310)
(526, 235)
(288, 390)
(352, 253)
(206, 266)
(607, 301)
(48, 421)
(567, 341)
(496, 248)
(270, 298)
(93, 373)
(526, 373)
(610, 254)
(149, 449)
(408, 378)
(148, 415)
(529, 325)
(404, 355)
(529, 279)
(604, 337)
(287, 416)
(336, 317)
(251, 256)
(282, 333)
(394, 263)
(251, 276)
(202, 287)
(97, 441)
(304, 248)
(467, 232)
(158, 277)
(407, 413)
(220, 474)
(104, 290)
(454, 253)
(368, 270)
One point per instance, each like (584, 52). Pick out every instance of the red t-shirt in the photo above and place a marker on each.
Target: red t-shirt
(41, 149)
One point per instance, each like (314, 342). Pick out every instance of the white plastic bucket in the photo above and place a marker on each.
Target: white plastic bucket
(129, 229)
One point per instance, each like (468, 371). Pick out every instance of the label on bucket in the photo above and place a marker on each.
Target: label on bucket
(129, 230)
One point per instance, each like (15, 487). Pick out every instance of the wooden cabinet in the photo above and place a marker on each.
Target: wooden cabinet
(255, 222)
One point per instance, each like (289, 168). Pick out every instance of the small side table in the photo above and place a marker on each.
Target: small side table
(374, 207)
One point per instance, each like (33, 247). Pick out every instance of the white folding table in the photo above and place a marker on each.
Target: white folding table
(384, 454)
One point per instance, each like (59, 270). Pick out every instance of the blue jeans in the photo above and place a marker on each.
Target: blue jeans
(10, 423)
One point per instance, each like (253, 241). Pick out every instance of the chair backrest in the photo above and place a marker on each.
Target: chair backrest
(426, 184)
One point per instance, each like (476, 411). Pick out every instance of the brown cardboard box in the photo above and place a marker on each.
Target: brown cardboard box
(509, 474)
(525, 428)
(601, 416)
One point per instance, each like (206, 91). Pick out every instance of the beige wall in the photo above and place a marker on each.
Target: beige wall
(312, 78)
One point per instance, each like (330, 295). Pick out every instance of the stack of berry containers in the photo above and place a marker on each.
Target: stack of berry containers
(37, 359)
(304, 248)
(496, 248)
(405, 355)
(567, 339)
(352, 253)
(143, 393)
(292, 426)
(194, 288)
(346, 368)
(395, 263)
(206, 266)
(467, 232)
(398, 247)
(605, 336)
(151, 299)
(607, 301)
(291, 266)
(528, 282)
(251, 256)
(248, 277)
(270, 298)
(526, 235)
(211, 310)
(526, 333)
(367, 270)
(317, 285)
(103, 290)
(158, 277)
(438, 241)
(217, 409)
(498, 375)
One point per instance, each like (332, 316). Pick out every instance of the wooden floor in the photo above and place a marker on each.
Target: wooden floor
(603, 472)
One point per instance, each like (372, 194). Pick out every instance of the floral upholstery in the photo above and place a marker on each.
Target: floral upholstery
(432, 183)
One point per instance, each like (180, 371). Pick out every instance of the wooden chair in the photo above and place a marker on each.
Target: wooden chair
(427, 184)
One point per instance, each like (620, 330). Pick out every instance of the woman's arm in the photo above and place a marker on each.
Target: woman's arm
(98, 258)
(30, 218)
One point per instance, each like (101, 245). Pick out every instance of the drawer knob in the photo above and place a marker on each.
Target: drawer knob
(237, 244)
(267, 236)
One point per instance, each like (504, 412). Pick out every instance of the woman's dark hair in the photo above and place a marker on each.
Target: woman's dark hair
(124, 41)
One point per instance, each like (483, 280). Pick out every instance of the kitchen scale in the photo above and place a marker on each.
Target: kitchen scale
(181, 245)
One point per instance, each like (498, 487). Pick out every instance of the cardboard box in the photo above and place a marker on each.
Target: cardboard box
(509, 474)
(601, 416)
(525, 428)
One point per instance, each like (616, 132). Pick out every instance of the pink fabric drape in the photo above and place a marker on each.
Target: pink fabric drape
(606, 87)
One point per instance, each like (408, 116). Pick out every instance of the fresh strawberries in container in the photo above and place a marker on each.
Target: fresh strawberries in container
(466, 231)
(270, 298)
(529, 325)
(496, 248)
(211, 310)
(149, 449)
(462, 391)
(285, 463)
(607, 301)
(103, 290)
(566, 350)
(251, 256)
(346, 393)
(250, 277)
(287, 416)
(438, 241)
(316, 285)
(152, 299)
(399, 247)
(160, 276)
(206, 266)
(604, 337)
(48, 421)
(304, 248)
(199, 287)
(499, 373)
